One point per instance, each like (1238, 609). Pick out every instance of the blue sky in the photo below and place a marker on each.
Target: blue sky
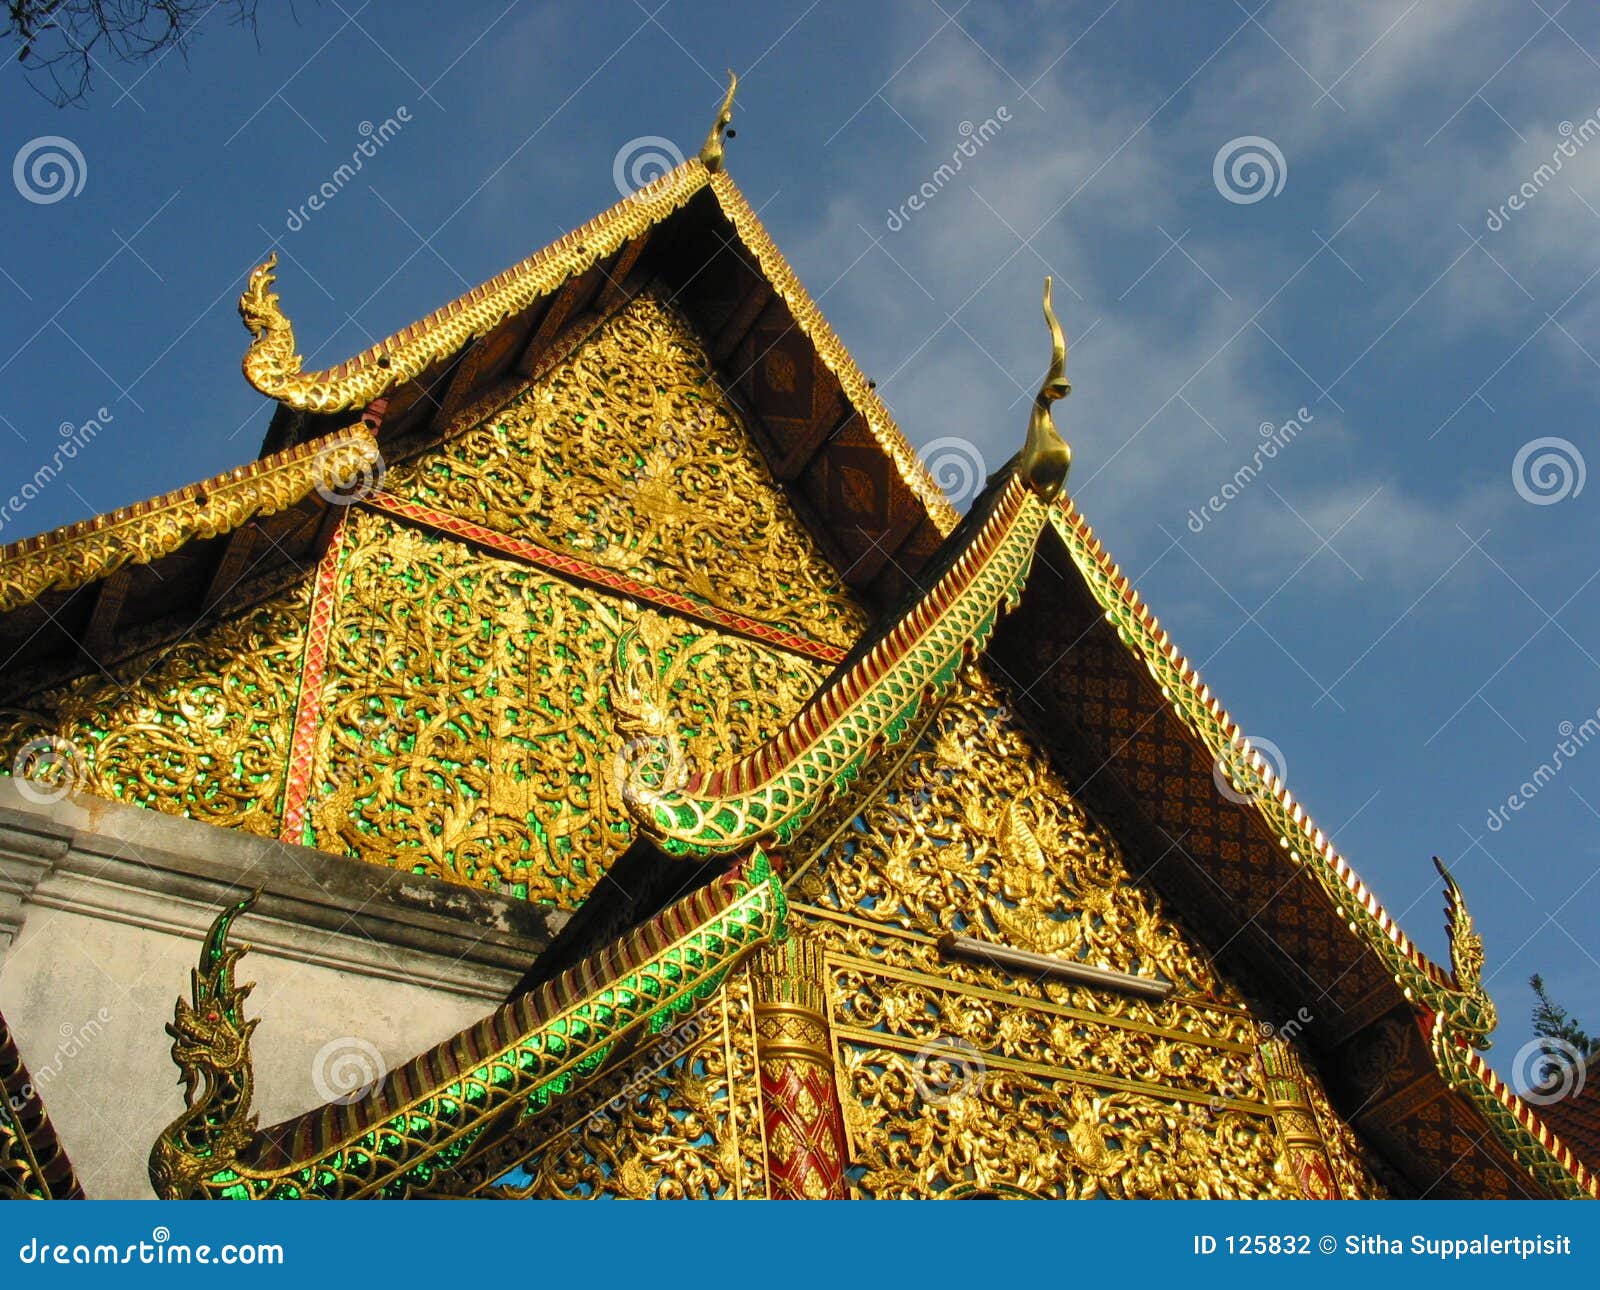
(1379, 600)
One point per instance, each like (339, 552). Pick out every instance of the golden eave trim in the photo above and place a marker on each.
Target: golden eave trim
(273, 366)
(81, 553)
(276, 370)
(1456, 1011)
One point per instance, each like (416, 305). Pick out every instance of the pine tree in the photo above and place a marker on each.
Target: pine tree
(1566, 1037)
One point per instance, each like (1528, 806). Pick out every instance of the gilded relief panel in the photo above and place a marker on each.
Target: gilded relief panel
(680, 1120)
(200, 728)
(628, 454)
(482, 721)
(959, 1078)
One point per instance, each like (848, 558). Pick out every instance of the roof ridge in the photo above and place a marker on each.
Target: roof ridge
(1120, 588)
(81, 552)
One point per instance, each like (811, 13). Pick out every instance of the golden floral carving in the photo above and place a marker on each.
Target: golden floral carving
(202, 730)
(684, 1127)
(628, 454)
(469, 726)
(956, 1076)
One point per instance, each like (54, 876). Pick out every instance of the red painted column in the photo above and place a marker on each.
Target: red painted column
(799, 1096)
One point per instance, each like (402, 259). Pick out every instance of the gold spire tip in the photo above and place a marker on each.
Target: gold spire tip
(711, 150)
(1045, 456)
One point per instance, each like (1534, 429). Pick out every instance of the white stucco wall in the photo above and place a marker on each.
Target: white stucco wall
(106, 906)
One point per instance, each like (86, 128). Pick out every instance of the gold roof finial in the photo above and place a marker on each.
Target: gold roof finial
(1045, 456)
(711, 150)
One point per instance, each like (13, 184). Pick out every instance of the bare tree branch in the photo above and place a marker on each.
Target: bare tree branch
(60, 44)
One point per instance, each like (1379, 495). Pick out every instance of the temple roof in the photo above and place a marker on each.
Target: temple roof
(828, 438)
(1142, 738)
(1572, 1109)
(97, 590)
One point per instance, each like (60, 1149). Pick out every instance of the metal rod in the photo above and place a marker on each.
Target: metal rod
(1026, 961)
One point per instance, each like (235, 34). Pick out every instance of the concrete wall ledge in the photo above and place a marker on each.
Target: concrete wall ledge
(126, 864)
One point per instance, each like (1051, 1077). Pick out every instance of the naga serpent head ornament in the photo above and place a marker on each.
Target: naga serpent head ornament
(1466, 962)
(711, 150)
(211, 1046)
(1045, 456)
(271, 359)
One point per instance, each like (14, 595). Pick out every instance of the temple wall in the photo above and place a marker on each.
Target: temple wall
(102, 907)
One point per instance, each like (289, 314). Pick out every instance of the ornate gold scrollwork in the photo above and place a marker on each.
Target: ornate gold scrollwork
(201, 730)
(468, 726)
(956, 1076)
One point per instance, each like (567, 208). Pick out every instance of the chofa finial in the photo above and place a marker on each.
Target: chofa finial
(1045, 456)
(1478, 1017)
(711, 151)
